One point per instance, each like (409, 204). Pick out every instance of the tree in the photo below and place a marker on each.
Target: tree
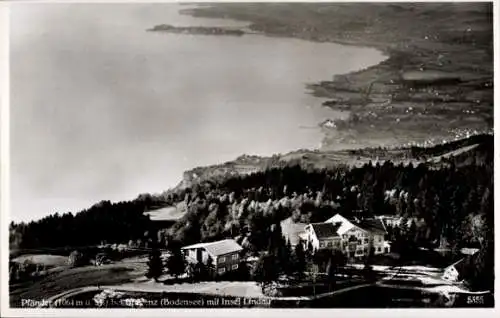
(13, 272)
(371, 253)
(486, 206)
(480, 270)
(76, 259)
(131, 244)
(336, 260)
(280, 249)
(369, 273)
(210, 267)
(284, 258)
(243, 272)
(138, 243)
(162, 238)
(155, 264)
(412, 233)
(310, 248)
(321, 258)
(276, 240)
(299, 261)
(176, 263)
(198, 271)
(265, 271)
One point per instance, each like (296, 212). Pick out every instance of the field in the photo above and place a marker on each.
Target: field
(127, 279)
(232, 288)
(170, 213)
(46, 260)
(62, 281)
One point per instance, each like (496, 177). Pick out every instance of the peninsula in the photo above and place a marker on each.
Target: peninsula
(196, 30)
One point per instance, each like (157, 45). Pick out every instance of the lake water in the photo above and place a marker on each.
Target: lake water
(102, 109)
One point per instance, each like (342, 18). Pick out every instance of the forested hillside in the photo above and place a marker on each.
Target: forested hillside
(451, 202)
(447, 199)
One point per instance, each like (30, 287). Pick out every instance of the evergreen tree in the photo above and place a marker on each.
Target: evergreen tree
(486, 206)
(155, 264)
(369, 257)
(299, 260)
(480, 269)
(368, 272)
(199, 271)
(336, 260)
(310, 248)
(243, 272)
(276, 239)
(279, 248)
(285, 258)
(210, 263)
(412, 233)
(176, 263)
(321, 258)
(265, 270)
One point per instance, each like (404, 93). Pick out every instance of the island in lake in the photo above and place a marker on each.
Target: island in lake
(197, 30)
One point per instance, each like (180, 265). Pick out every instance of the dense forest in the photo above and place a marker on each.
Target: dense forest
(452, 204)
(104, 221)
(447, 201)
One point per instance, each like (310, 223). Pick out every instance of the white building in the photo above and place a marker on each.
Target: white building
(354, 237)
(359, 235)
(452, 273)
(455, 271)
(322, 235)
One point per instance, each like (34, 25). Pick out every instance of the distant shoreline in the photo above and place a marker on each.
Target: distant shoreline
(406, 116)
(386, 108)
(197, 30)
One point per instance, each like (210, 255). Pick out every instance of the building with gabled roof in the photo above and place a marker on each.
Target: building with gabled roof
(362, 235)
(372, 225)
(325, 230)
(224, 254)
(455, 272)
(322, 235)
(355, 237)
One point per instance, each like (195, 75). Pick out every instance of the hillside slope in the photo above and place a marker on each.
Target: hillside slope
(459, 152)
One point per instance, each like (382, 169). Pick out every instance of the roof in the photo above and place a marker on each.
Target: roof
(371, 225)
(346, 225)
(459, 265)
(463, 263)
(217, 248)
(469, 251)
(323, 230)
(292, 230)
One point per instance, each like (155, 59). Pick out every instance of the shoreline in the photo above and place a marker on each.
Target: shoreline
(392, 101)
(357, 81)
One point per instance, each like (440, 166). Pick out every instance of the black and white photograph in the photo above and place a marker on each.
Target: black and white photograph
(257, 155)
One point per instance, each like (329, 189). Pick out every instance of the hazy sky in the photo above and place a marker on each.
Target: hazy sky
(101, 109)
